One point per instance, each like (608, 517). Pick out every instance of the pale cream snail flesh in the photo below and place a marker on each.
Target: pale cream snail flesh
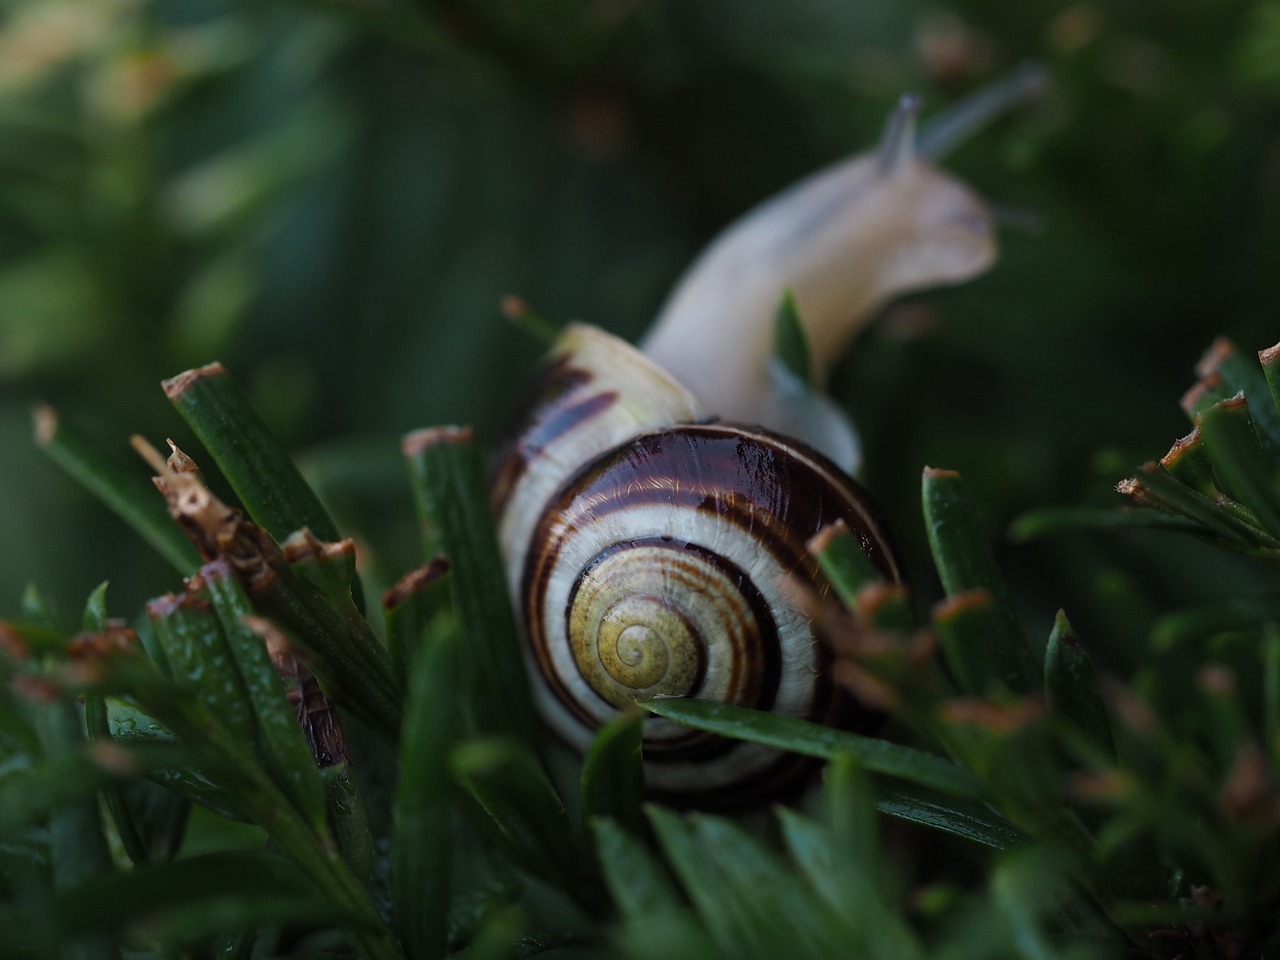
(649, 543)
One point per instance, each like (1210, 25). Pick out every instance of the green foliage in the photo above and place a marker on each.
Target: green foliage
(1106, 816)
(334, 196)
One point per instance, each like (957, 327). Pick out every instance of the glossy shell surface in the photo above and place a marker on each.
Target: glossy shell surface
(655, 560)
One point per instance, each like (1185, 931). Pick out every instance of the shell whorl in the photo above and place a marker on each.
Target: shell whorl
(652, 559)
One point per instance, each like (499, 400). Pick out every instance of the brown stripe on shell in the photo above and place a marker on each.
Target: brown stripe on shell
(547, 414)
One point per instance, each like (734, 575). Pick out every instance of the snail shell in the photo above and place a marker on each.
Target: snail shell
(649, 552)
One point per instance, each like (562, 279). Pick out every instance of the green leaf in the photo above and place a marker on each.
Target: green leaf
(966, 563)
(1035, 524)
(1238, 613)
(411, 607)
(1245, 471)
(350, 662)
(816, 740)
(842, 863)
(1219, 518)
(1071, 688)
(843, 561)
(455, 518)
(613, 772)
(749, 901)
(965, 624)
(200, 659)
(1243, 373)
(76, 837)
(422, 841)
(527, 819)
(279, 738)
(127, 492)
(127, 829)
(959, 817)
(254, 462)
(640, 887)
(95, 610)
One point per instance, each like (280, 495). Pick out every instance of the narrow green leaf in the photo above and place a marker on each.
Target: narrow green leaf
(350, 662)
(1188, 462)
(254, 462)
(279, 738)
(1204, 393)
(127, 829)
(528, 820)
(613, 772)
(1037, 900)
(258, 796)
(1243, 373)
(965, 562)
(410, 607)
(640, 887)
(965, 624)
(98, 729)
(1049, 522)
(1239, 613)
(959, 817)
(816, 740)
(127, 492)
(855, 834)
(749, 901)
(77, 841)
(1245, 471)
(790, 343)
(1217, 517)
(422, 847)
(161, 814)
(843, 562)
(841, 862)
(37, 611)
(1270, 362)
(455, 517)
(200, 659)
(1071, 688)
(94, 618)
(348, 819)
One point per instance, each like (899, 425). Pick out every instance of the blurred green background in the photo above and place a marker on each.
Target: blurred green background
(333, 197)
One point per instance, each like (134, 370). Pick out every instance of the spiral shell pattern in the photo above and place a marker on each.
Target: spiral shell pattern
(657, 565)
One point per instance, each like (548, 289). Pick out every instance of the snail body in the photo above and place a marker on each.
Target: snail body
(652, 548)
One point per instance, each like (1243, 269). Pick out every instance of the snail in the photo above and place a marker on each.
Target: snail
(653, 503)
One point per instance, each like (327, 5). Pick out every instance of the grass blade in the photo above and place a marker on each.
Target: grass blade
(1071, 687)
(965, 562)
(421, 851)
(815, 740)
(640, 887)
(455, 517)
(613, 774)
(128, 492)
(526, 817)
